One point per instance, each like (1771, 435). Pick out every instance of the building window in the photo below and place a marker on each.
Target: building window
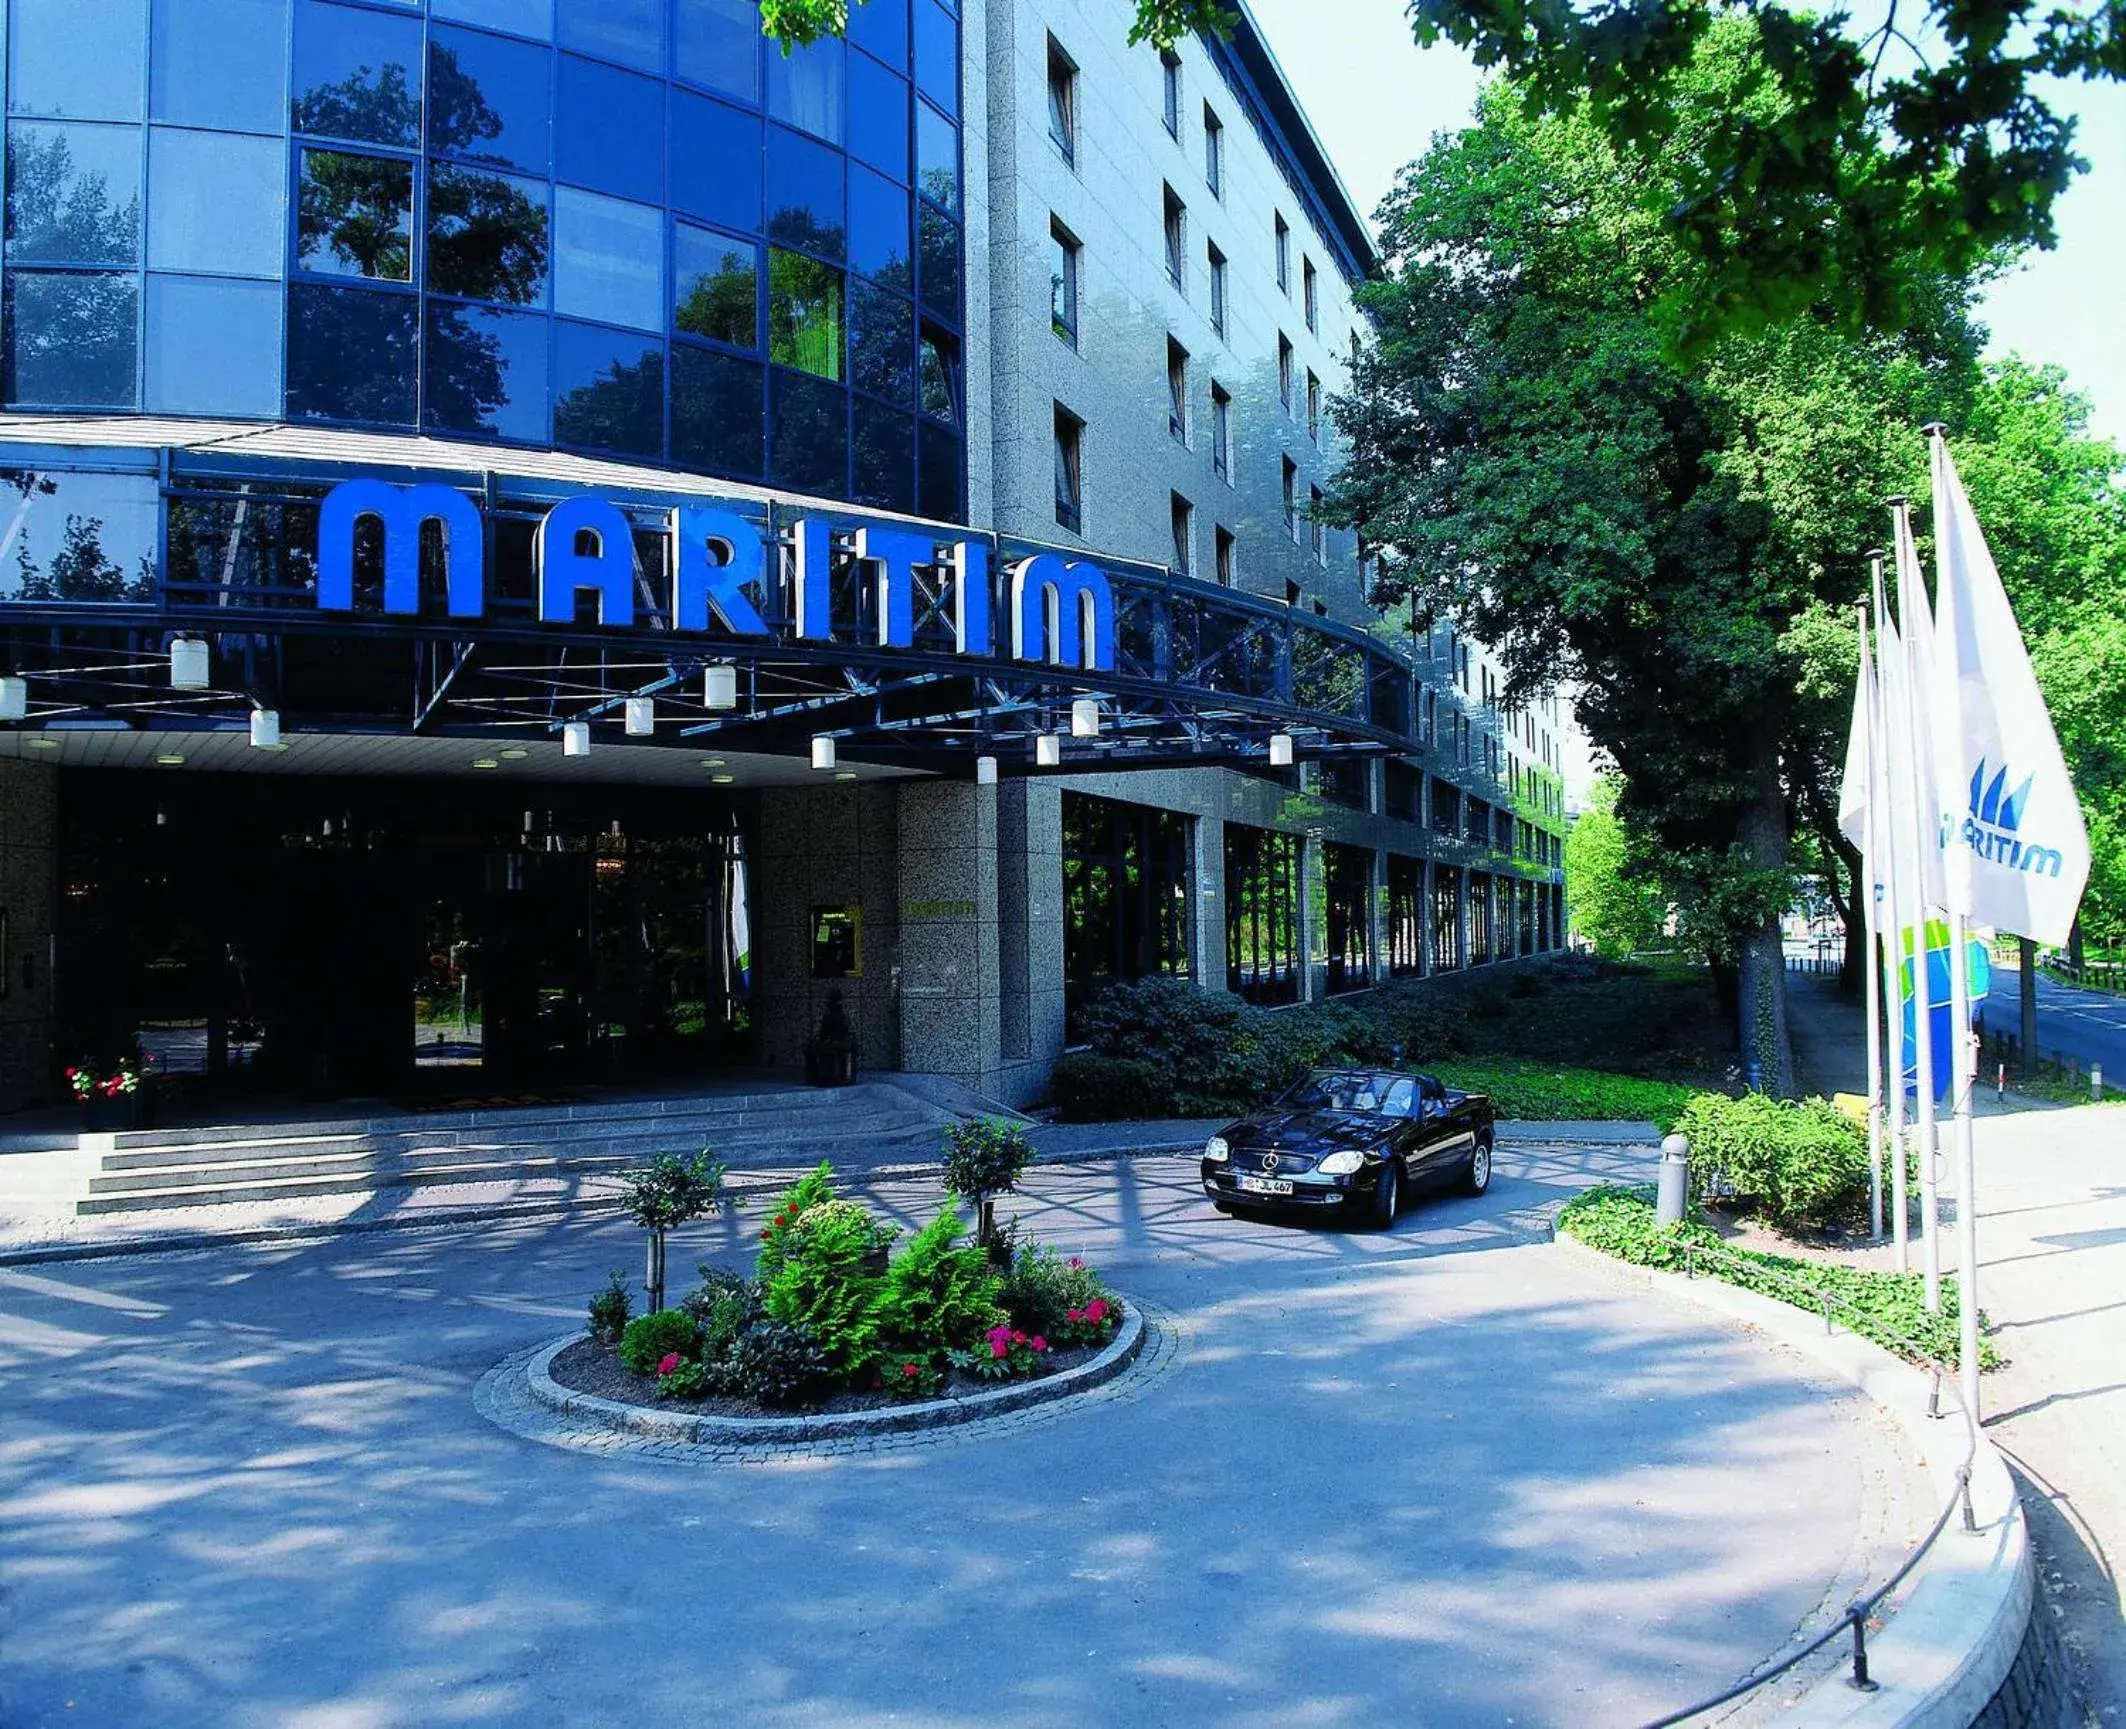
(1184, 517)
(1480, 949)
(1062, 102)
(1177, 390)
(1291, 592)
(1447, 953)
(804, 314)
(1262, 914)
(1063, 260)
(1176, 239)
(1406, 929)
(1291, 498)
(1221, 434)
(1318, 529)
(1313, 408)
(1213, 152)
(1284, 256)
(1222, 548)
(1311, 285)
(1170, 91)
(1347, 873)
(1127, 894)
(1284, 372)
(1070, 452)
(1217, 262)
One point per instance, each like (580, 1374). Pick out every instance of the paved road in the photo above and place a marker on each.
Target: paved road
(2089, 1026)
(1452, 1474)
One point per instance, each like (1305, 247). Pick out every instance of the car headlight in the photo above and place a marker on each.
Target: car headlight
(1342, 1164)
(1216, 1150)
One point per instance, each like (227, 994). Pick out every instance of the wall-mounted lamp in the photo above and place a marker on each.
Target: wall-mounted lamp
(1085, 717)
(265, 729)
(985, 771)
(576, 738)
(719, 687)
(641, 717)
(1280, 750)
(14, 698)
(822, 750)
(188, 663)
(1048, 750)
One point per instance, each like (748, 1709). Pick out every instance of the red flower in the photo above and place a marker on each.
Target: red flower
(1038, 1343)
(998, 1347)
(1075, 1262)
(668, 1362)
(1077, 1314)
(1096, 1310)
(910, 1369)
(1018, 1338)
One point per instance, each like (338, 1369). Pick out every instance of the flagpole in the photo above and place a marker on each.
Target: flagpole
(1917, 724)
(1892, 1029)
(1864, 896)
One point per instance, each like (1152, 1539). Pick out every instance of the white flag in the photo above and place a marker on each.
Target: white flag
(1857, 790)
(1917, 767)
(2018, 854)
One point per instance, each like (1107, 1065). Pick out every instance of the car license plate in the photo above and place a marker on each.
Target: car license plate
(1265, 1186)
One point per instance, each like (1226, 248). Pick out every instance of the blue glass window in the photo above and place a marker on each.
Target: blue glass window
(805, 194)
(606, 260)
(73, 194)
(352, 354)
(808, 433)
(940, 459)
(354, 216)
(489, 101)
(884, 470)
(881, 230)
(940, 277)
(486, 373)
(937, 157)
(629, 31)
(715, 161)
(214, 347)
(882, 343)
(805, 314)
(533, 18)
(218, 203)
(878, 116)
(719, 415)
(608, 390)
(487, 236)
(937, 55)
(719, 45)
(715, 286)
(805, 88)
(221, 64)
(880, 27)
(70, 339)
(82, 59)
(357, 75)
(938, 376)
(609, 130)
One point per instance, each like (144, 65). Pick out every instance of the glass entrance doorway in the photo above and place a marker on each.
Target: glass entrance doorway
(342, 937)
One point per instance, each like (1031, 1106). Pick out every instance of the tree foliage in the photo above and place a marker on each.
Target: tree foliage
(1610, 896)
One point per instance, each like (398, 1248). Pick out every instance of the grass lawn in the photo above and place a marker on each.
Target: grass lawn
(1548, 1092)
(1657, 1020)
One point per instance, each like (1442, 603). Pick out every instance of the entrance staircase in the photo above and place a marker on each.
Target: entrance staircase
(762, 1127)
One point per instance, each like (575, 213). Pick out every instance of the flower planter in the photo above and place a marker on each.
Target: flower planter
(121, 1111)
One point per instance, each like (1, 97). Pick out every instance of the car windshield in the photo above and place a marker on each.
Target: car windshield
(1352, 1090)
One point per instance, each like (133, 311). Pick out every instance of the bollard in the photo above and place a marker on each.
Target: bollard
(2096, 1083)
(2000, 1084)
(1675, 1181)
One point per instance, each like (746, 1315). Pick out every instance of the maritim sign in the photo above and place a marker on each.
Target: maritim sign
(1059, 611)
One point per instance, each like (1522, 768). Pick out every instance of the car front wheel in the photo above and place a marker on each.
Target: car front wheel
(1480, 1168)
(1388, 1195)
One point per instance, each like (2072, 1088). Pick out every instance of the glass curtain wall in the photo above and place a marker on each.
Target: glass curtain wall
(1262, 914)
(1406, 931)
(1447, 955)
(1126, 897)
(1480, 924)
(1348, 879)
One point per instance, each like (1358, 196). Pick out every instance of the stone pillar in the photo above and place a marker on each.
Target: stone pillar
(951, 1013)
(29, 911)
(1207, 951)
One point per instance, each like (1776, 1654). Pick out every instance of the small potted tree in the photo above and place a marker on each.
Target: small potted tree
(669, 1190)
(830, 1057)
(984, 1158)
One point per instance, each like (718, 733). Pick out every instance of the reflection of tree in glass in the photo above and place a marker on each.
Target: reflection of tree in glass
(486, 237)
(938, 378)
(460, 117)
(80, 570)
(941, 186)
(356, 216)
(794, 225)
(245, 543)
(57, 214)
(621, 409)
(72, 339)
(804, 314)
(379, 104)
(721, 304)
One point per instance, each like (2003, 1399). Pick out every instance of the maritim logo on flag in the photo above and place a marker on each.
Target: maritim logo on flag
(1993, 829)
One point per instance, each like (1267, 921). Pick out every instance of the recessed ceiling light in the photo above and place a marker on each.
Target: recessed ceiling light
(712, 762)
(44, 744)
(723, 779)
(171, 759)
(283, 745)
(485, 762)
(845, 774)
(515, 753)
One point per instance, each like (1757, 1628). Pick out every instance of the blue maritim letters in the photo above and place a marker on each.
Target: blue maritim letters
(1059, 611)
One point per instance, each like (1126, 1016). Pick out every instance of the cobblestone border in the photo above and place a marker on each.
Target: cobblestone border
(1151, 1343)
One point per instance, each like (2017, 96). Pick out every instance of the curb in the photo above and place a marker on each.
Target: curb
(832, 1426)
(1966, 1607)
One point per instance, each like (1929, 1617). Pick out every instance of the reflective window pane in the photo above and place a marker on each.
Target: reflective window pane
(881, 230)
(719, 416)
(533, 18)
(884, 470)
(804, 314)
(878, 117)
(609, 130)
(220, 63)
(219, 203)
(70, 339)
(487, 236)
(486, 373)
(351, 353)
(938, 376)
(937, 54)
(882, 343)
(937, 157)
(214, 347)
(78, 58)
(808, 433)
(488, 100)
(73, 194)
(606, 257)
(715, 161)
(629, 31)
(880, 27)
(354, 216)
(715, 286)
(608, 390)
(805, 194)
(357, 75)
(940, 242)
(85, 536)
(719, 45)
(940, 462)
(805, 88)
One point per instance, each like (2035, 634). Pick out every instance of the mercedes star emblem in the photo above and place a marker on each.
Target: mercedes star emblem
(1269, 1161)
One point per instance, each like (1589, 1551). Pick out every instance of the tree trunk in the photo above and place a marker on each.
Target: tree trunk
(1848, 866)
(1767, 1054)
(653, 1272)
(2026, 1003)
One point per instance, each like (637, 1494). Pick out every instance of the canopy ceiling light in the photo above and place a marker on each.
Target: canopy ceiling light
(1085, 717)
(1280, 750)
(719, 687)
(265, 729)
(822, 750)
(985, 771)
(188, 663)
(576, 738)
(14, 698)
(641, 717)
(1048, 750)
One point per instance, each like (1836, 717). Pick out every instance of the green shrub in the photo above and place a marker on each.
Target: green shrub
(1527, 982)
(985, 1157)
(610, 1310)
(1548, 1093)
(722, 1307)
(1792, 1163)
(1094, 1089)
(1889, 1308)
(939, 1292)
(779, 1363)
(810, 1190)
(652, 1338)
(1043, 1287)
(1180, 1030)
(829, 1282)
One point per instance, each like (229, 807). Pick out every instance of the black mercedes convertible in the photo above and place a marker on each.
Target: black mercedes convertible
(1357, 1142)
